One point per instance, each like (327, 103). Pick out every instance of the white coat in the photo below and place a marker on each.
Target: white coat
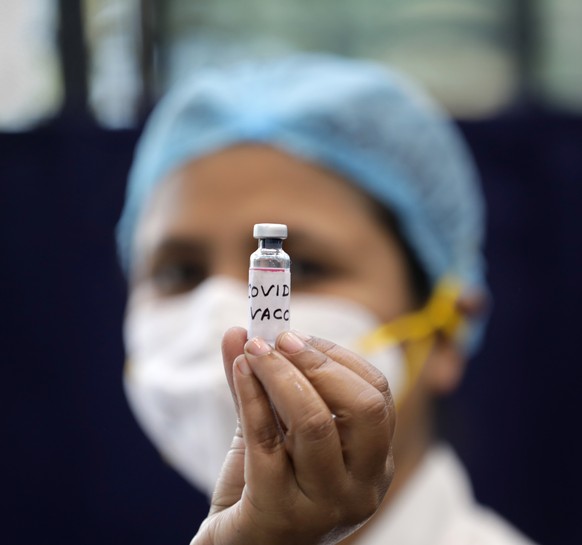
(437, 507)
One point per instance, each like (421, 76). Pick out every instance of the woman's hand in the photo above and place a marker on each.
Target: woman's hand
(311, 459)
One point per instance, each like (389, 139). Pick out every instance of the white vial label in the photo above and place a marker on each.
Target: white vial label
(269, 296)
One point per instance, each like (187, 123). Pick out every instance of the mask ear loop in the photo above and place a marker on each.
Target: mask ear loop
(416, 331)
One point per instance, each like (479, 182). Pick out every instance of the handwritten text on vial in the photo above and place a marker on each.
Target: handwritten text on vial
(269, 294)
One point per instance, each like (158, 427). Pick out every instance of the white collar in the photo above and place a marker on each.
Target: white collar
(426, 506)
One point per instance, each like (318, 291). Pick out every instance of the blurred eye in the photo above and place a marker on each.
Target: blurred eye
(174, 277)
(309, 270)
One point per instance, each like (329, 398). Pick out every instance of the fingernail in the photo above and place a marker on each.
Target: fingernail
(243, 365)
(290, 343)
(257, 347)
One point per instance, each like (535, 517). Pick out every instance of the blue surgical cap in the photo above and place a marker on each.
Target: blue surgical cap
(357, 118)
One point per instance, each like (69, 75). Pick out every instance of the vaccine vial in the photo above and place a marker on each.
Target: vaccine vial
(269, 283)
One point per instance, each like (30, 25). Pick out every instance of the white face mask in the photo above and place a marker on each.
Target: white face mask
(175, 380)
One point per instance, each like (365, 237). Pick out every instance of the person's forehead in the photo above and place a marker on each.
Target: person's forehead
(257, 184)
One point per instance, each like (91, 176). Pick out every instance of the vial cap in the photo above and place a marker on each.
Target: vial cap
(270, 230)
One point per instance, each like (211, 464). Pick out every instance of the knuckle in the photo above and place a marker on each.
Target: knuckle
(372, 407)
(315, 426)
(382, 385)
(267, 438)
(380, 382)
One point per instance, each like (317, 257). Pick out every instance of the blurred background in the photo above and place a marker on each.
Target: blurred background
(77, 79)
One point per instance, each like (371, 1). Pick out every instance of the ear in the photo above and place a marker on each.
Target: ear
(472, 303)
(445, 367)
(446, 364)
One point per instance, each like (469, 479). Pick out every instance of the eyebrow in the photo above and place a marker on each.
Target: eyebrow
(314, 244)
(178, 244)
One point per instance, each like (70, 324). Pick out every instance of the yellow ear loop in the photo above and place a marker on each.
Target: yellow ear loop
(417, 331)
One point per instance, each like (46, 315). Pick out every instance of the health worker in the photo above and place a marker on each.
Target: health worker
(386, 224)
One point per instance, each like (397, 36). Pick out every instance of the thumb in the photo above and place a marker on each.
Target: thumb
(231, 480)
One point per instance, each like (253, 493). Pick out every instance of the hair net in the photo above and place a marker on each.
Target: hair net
(357, 118)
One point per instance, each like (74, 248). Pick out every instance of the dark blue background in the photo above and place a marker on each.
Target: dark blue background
(77, 469)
